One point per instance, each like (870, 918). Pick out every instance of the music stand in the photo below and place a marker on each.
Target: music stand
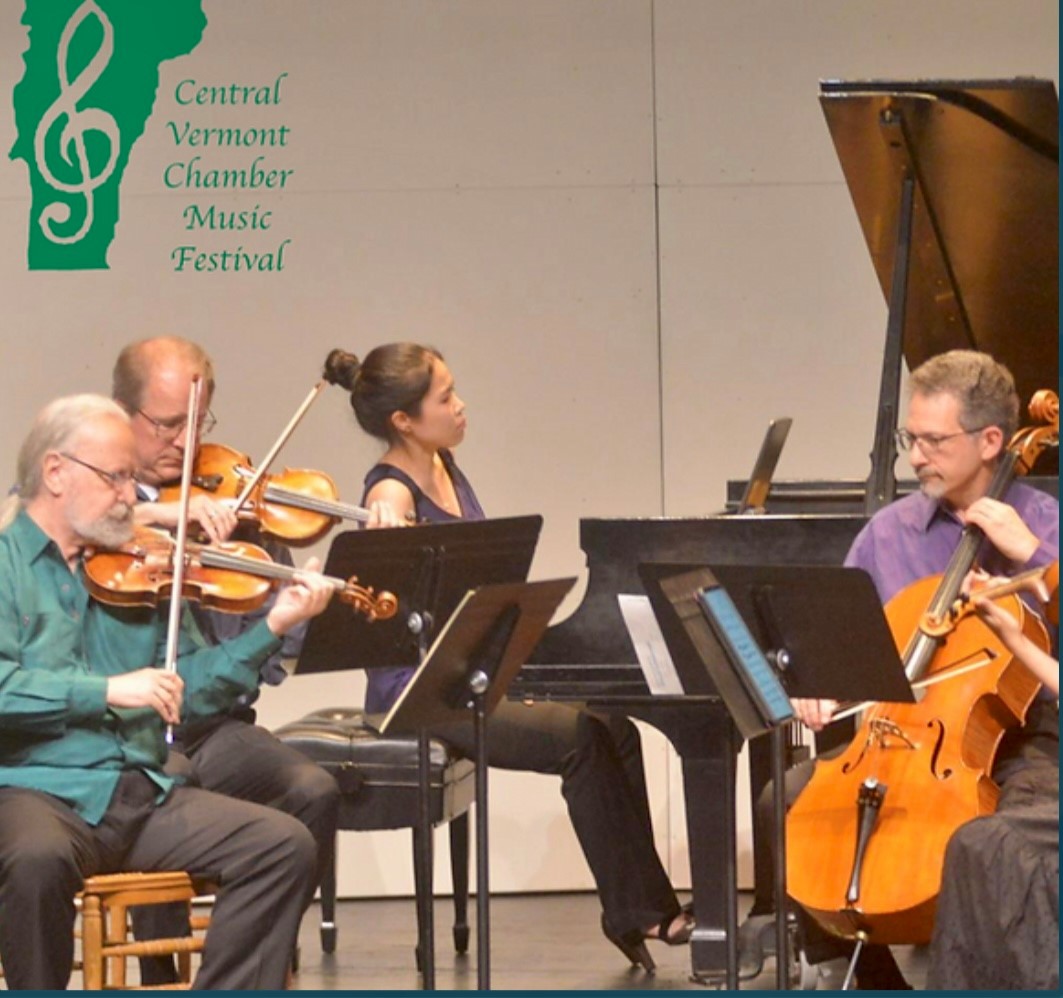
(430, 568)
(469, 668)
(793, 613)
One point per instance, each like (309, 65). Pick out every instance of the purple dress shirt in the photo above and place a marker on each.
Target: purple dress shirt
(915, 537)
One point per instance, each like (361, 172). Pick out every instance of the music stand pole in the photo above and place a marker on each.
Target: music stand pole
(424, 858)
(778, 794)
(478, 683)
(474, 658)
(425, 861)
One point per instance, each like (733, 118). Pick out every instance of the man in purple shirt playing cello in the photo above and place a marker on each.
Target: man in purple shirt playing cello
(962, 411)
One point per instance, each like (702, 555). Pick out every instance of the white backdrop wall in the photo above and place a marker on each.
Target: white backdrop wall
(621, 220)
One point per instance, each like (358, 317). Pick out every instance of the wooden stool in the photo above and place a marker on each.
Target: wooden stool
(105, 942)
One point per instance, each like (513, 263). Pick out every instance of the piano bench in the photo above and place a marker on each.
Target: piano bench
(377, 777)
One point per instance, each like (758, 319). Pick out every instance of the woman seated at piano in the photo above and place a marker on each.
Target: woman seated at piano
(997, 924)
(403, 394)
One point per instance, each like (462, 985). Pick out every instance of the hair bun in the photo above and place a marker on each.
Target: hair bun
(341, 368)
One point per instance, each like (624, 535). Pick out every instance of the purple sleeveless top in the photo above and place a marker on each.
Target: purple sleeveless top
(385, 685)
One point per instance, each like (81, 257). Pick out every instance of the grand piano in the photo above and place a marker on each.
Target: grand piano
(956, 188)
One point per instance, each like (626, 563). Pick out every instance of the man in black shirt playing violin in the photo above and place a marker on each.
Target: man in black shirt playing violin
(227, 753)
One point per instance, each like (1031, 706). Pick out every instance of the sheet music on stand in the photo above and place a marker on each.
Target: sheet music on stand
(655, 660)
(749, 662)
(738, 668)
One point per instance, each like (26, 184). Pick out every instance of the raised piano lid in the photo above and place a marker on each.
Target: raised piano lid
(985, 249)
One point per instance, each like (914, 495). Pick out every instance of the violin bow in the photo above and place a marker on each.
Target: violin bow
(264, 466)
(195, 394)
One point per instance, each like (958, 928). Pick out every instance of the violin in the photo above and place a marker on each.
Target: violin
(866, 837)
(297, 506)
(964, 605)
(234, 577)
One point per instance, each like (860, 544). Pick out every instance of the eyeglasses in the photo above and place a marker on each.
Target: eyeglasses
(929, 443)
(171, 429)
(118, 480)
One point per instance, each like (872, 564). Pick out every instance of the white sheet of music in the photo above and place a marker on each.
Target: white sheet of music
(652, 652)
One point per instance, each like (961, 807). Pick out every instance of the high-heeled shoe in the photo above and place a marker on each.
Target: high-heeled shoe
(632, 945)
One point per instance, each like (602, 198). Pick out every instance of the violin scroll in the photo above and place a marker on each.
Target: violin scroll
(1044, 408)
(375, 606)
(1028, 443)
(1039, 581)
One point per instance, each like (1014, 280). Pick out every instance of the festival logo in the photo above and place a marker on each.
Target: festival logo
(89, 87)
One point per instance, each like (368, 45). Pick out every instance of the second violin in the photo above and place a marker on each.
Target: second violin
(298, 506)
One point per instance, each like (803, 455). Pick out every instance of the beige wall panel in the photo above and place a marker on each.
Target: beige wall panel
(737, 82)
(769, 308)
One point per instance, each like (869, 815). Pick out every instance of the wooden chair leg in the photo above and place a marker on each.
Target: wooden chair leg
(92, 943)
(459, 873)
(116, 932)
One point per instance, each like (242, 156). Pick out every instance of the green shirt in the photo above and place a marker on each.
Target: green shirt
(57, 648)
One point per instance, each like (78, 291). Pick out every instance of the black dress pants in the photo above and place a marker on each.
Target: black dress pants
(604, 785)
(238, 759)
(262, 861)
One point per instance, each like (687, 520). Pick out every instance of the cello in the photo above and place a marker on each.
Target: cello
(866, 838)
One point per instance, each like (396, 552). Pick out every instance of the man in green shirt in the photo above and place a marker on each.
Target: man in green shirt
(83, 710)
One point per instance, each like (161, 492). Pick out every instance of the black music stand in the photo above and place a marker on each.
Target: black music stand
(469, 668)
(430, 568)
(795, 614)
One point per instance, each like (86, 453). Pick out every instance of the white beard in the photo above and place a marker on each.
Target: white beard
(932, 488)
(109, 531)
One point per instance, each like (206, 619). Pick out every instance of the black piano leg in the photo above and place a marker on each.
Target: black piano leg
(711, 834)
(708, 744)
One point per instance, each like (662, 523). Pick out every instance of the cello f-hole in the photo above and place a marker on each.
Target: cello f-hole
(938, 730)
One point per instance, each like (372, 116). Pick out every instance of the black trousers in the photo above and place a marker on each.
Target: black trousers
(261, 859)
(239, 759)
(603, 782)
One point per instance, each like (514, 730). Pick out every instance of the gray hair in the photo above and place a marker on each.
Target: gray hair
(55, 428)
(983, 386)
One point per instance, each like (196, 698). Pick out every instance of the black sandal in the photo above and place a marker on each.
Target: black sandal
(681, 936)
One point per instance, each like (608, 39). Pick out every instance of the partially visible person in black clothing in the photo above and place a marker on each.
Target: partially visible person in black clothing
(997, 925)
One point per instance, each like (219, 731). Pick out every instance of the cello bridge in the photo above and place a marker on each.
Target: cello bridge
(882, 729)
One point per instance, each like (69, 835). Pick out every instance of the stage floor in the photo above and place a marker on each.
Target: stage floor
(538, 942)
